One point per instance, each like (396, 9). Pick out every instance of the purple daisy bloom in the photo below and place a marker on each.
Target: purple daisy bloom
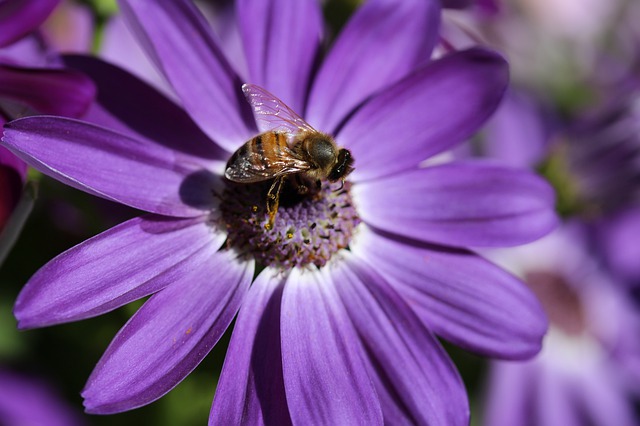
(338, 305)
(27, 401)
(587, 371)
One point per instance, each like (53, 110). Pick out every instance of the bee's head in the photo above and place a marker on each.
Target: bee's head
(344, 166)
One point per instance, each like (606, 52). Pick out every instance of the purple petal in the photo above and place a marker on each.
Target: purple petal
(460, 296)
(143, 256)
(20, 17)
(519, 132)
(415, 379)
(169, 336)
(618, 238)
(222, 17)
(432, 110)
(121, 48)
(556, 399)
(179, 41)
(324, 374)
(29, 52)
(48, 91)
(132, 172)
(382, 43)
(11, 161)
(28, 401)
(460, 204)
(605, 398)
(251, 386)
(511, 393)
(132, 107)
(281, 39)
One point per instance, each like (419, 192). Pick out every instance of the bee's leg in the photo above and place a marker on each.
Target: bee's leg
(299, 184)
(273, 200)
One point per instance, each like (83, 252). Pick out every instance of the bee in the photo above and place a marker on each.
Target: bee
(287, 147)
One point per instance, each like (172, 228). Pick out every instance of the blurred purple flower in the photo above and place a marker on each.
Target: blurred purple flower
(520, 132)
(31, 81)
(338, 325)
(603, 154)
(26, 401)
(616, 238)
(20, 17)
(69, 28)
(588, 370)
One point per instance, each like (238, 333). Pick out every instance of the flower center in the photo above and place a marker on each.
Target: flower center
(308, 228)
(560, 301)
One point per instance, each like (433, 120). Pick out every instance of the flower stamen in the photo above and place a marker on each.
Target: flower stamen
(308, 229)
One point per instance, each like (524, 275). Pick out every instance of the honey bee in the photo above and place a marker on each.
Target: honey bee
(287, 147)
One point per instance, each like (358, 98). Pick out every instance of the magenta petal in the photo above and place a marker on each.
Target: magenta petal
(324, 374)
(111, 165)
(382, 43)
(48, 91)
(416, 381)
(251, 386)
(169, 336)
(125, 263)
(460, 296)
(281, 39)
(460, 204)
(20, 17)
(430, 111)
(181, 43)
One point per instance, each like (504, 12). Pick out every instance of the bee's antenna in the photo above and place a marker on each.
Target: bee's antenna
(341, 186)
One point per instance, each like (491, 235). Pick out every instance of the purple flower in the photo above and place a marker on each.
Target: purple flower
(20, 17)
(25, 400)
(616, 240)
(338, 324)
(587, 371)
(603, 154)
(31, 77)
(31, 81)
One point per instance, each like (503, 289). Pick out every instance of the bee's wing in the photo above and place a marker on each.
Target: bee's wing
(273, 115)
(249, 167)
